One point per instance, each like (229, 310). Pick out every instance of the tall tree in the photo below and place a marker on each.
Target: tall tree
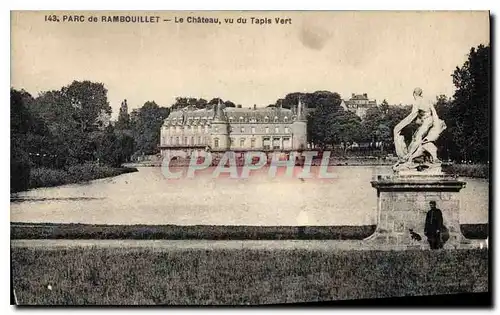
(113, 147)
(471, 106)
(379, 123)
(72, 115)
(345, 129)
(123, 122)
(322, 122)
(89, 101)
(146, 125)
(20, 126)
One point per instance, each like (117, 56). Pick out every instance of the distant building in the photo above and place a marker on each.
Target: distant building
(234, 129)
(359, 104)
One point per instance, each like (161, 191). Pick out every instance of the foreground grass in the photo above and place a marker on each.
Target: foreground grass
(147, 275)
(47, 177)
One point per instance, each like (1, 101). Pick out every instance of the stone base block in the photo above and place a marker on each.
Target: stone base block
(403, 202)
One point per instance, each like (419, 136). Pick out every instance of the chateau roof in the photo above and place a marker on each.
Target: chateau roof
(233, 115)
(353, 102)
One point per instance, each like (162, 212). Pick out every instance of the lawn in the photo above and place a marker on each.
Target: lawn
(149, 275)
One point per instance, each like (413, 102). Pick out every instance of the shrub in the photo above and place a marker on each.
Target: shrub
(19, 170)
(468, 170)
(47, 177)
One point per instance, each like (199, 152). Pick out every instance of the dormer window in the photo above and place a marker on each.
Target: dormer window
(266, 119)
(285, 119)
(275, 119)
(241, 120)
(231, 119)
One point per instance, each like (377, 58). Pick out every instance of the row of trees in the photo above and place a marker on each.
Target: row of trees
(200, 103)
(72, 125)
(467, 115)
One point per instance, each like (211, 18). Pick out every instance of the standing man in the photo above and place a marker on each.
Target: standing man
(434, 226)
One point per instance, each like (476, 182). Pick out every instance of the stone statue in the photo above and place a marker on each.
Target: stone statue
(424, 114)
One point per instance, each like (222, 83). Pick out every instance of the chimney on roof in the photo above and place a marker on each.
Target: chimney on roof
(353, 95)
(238, 106)
(254, 106)
(365, 95)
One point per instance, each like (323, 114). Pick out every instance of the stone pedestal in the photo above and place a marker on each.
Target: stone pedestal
(403, 202)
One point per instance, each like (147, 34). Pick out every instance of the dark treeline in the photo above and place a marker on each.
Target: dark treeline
(71, 126)
(59, 132)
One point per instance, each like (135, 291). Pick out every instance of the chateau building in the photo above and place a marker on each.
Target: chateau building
(359, 104)
(234, 129)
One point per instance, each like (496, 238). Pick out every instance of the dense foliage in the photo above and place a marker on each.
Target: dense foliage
(62, 128)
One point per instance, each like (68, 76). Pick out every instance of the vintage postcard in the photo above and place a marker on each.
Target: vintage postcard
(249, 157)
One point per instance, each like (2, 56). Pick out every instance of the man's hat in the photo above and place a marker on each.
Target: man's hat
(417, 91)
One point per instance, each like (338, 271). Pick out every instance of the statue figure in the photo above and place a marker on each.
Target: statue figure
(424, 114)
(184, 116)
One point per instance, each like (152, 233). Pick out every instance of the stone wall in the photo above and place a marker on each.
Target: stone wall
(403, 203)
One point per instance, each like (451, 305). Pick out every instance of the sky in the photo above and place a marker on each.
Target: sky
(383, 54)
